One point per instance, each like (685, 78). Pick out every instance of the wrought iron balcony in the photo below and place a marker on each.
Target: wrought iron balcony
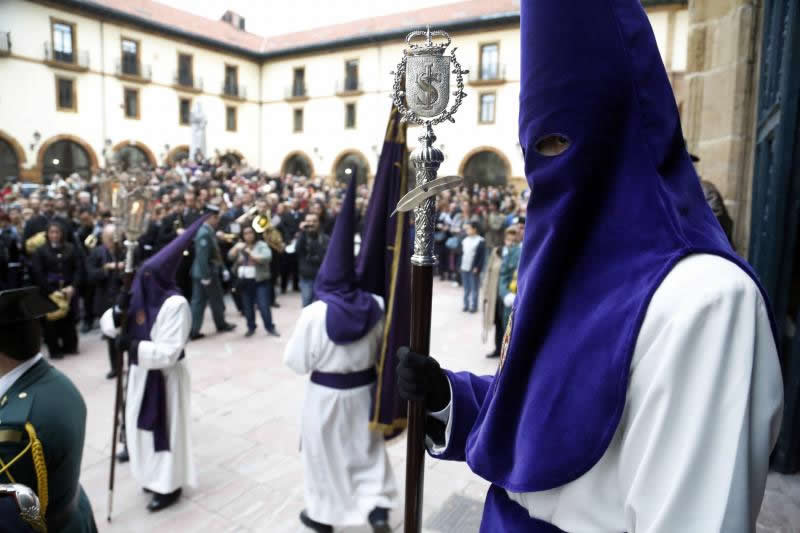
(5, 43)
(349, 86)
(185, 82)
(73, 60)
(297, 91)
(134, 72)
(235, 91)
(489, 75)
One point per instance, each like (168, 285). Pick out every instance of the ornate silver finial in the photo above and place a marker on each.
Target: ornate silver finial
(423, 97)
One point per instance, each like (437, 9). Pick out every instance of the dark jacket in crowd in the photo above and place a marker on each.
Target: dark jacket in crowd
(290, 225)
(54, 268)
(107, 283)
(311, 248)
(149, 242)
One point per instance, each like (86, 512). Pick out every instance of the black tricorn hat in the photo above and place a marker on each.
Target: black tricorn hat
(22, 305)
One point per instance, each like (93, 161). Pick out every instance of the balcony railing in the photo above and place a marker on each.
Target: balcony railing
(5, 43)
(188, 83)
(349, 86)
(234, 90)
(74, 60)
(297, 91)
(134, 71)
(489, 77)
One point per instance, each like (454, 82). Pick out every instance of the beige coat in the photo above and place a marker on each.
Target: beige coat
(489, 291)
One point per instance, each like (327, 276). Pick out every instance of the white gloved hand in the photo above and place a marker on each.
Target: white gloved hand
(508, 299)
(205, 282)
(226, 275)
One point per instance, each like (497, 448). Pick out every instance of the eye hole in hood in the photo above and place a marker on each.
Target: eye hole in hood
(552, 145)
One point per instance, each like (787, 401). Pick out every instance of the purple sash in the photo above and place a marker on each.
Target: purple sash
(153, 410)
(501, 513)
(351, 380)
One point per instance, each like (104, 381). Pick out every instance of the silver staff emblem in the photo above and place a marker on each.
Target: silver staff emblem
(421, 94)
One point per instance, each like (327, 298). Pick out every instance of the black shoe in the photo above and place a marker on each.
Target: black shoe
(272, 332)
(313, 524)
(195, 336)
(492, 355)
(473, 311)
(379, 520)
(56, 355)
(123, 456)
(249, 333)
(275, 304)
(162, 501)
(464, 309)
(111, 374)
(226, 327)
(147, 491)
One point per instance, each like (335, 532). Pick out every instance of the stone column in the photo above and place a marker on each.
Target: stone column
(719, 118)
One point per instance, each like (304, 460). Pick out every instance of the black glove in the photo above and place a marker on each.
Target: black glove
(420, 378)
(121, 305)
(123, 343)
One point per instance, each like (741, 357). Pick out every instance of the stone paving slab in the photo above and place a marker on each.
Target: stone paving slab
(245, 429)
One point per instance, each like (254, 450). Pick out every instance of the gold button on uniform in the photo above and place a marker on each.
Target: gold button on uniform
(23, 395)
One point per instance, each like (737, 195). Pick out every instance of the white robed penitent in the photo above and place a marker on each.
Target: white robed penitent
(347, 469)
(163, 471)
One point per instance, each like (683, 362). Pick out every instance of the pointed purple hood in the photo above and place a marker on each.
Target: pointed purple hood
(352, 312)
(155, 282)
(607, 220)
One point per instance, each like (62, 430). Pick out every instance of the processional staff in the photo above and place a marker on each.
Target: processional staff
(421, 93)
(129, 202)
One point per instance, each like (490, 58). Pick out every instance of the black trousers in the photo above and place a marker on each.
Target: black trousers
(499, 310)
(87, 297)
(289, 270)
(61, 336)
(112, 354)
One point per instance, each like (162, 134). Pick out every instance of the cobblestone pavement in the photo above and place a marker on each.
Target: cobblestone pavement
(245, 408)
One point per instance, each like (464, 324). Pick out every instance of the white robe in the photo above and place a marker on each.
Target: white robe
(164, 471)
(702, 414)
(347, 470)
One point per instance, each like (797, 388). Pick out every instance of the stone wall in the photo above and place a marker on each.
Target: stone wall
(722, 89)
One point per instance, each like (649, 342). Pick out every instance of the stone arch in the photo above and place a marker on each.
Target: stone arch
(302, 155)
(175, 151)
(151, 158)
(17, 149)
(67, 137)
(356, 153)
(41, 164)
(231, 153)
(481, 149)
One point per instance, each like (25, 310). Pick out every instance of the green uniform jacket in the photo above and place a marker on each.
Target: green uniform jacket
(507, 269)
(48, 400)
(207, 257)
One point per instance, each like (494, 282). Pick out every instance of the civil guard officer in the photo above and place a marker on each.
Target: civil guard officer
(42, 417)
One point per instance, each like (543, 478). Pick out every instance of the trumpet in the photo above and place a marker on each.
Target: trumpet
(90, 241)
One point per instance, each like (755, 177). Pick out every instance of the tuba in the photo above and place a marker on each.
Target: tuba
(260, 223)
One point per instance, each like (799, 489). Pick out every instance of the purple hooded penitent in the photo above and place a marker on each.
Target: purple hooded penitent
(352, 312)
(154, 283)
(607, 220)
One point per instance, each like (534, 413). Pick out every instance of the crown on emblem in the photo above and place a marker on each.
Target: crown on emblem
(429, 47)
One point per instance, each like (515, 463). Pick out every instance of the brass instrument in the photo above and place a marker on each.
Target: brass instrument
(261, 223)
(90, 241)
(247, 214)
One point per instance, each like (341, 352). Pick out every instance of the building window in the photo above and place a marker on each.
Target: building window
(63, 41)
(185, 74)
(230, 118)
(487, 101)
(298, 120)
(351, 75)
(185, 112)
(489, 69)
(65, 94)
(231, 87)
(130, 57)
(350, 116)
(299, 82)
(131, 103)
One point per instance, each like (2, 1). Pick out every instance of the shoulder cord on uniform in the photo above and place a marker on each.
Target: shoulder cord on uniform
(37, 453)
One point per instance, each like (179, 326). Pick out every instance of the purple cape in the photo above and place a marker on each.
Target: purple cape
(607, 220)
(153, 284)
(352, 312)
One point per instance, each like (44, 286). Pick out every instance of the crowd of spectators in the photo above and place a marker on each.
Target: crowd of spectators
(62, 238)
